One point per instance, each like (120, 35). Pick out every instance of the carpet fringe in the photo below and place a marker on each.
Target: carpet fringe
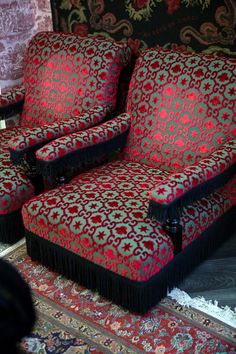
(210, 307)
(9, 249)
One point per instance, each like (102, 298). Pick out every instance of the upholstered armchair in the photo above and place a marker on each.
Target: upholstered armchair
(70, 84)
(132, 228)
(11, 102)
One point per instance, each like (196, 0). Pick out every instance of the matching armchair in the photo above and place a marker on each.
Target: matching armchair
(133, 227)
(70, 84)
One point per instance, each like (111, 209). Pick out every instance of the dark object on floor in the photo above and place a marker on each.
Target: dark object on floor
(17, 314)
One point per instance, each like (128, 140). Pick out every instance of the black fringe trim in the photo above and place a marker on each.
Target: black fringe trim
(79, 157)
(11, 109)
(17, 156)
(173, 210)
(11, 227)
(138, 297)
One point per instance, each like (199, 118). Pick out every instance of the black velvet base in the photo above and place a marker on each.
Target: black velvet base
(11, 227)
(137, 297)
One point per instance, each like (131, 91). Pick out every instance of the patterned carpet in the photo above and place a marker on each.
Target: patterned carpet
(72, 319)
(3, 247)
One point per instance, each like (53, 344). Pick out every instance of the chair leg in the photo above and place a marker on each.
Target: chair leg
(61, 180)
(173, 229)
(35, 178)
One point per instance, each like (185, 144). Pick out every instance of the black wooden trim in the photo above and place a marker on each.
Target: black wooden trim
(17, 156)
(55, 19)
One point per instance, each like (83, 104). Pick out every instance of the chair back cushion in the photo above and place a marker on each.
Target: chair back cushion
(66, 75)
(182, 105)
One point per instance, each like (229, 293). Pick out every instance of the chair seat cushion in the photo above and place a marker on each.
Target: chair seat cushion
(15, 187)
(102, 216)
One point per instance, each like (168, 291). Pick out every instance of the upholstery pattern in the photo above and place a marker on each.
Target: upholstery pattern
(102, 216)
(182, 107)
(15, 187)
(33, 136)
(12, 96)
(70, 84)
(59, 82)
(177, 184)
(72, 142)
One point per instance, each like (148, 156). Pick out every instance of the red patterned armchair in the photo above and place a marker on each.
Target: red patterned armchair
(70, 84)
(133, 227)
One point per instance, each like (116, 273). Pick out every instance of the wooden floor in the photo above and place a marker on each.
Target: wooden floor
(215, 278)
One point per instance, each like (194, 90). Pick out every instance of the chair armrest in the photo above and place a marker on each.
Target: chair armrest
(11, 101)
(34, 138)
(182, 188)
(75, 147)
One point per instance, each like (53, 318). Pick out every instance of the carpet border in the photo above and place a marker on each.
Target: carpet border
(13, 256)
(200, 325)
(96, 327)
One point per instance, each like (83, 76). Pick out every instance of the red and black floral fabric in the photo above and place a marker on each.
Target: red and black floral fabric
(197, 25)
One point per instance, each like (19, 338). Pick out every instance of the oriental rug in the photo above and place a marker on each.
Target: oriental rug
(72, 319)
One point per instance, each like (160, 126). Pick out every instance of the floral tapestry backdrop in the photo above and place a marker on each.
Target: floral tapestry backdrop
(19, 21)
(198, 25)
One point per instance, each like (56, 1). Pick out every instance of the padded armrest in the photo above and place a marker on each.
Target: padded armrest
(102, 137)
(11, 101)
(34, 138)
(195, 181)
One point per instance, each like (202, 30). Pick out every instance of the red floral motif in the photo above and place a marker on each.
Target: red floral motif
(172, 6)
(80, 28)
(135, 45)
(75, 3)
(140, 4)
